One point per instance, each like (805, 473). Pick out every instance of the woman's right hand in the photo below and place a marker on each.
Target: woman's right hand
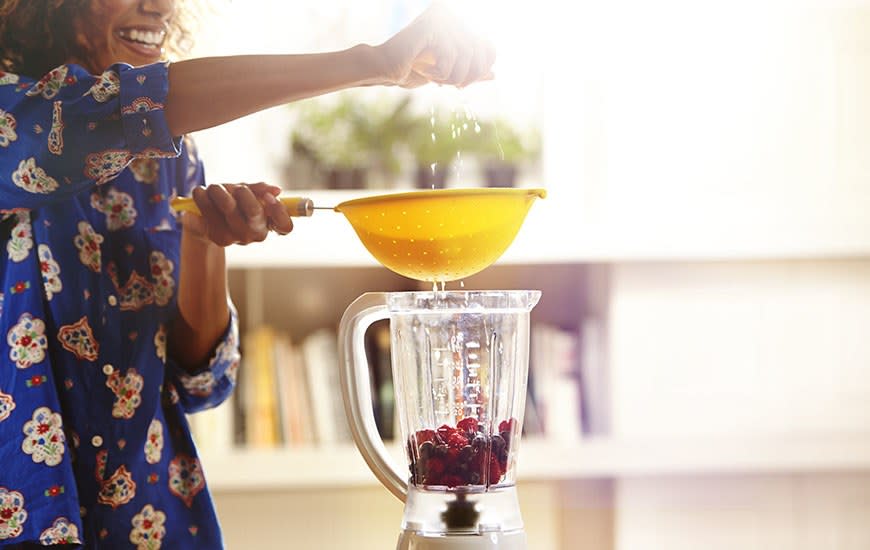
(237, 213)
(436, 47)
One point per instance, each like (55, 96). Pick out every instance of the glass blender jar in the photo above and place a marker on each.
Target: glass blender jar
(460, 368)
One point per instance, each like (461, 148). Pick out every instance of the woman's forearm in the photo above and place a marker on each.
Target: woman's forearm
(209, 91)
(203, 312)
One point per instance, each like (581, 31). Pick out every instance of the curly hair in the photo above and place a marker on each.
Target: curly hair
(37, 36)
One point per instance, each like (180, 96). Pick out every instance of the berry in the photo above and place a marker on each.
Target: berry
(468, 424)
(452, 480)
(425, 435)
(457, 440)
(498, 444)
(495, 471)
(452, 455)
(466, 453)
(426, 449)
(461, 455)
(507, 425)
(435, 466)
(445, 431)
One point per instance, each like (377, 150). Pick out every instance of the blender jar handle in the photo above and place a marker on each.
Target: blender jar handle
(356, 389)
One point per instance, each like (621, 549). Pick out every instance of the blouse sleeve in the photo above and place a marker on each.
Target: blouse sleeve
(71, 130)
(210, 385)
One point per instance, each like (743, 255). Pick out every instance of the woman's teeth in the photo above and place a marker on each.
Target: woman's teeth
(148, 38)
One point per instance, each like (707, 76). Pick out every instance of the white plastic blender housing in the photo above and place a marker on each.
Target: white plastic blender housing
(460, 368)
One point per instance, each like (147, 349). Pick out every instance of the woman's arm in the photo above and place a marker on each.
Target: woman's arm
(434, 48)
(229, 214)
(210, 91)
(203, 312)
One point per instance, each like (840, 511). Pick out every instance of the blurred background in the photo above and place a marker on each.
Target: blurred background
(700, 369)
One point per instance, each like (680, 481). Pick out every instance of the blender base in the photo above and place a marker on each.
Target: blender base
(409, 540)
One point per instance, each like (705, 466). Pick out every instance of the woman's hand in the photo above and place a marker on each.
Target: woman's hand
(237, 213)
(436, 47)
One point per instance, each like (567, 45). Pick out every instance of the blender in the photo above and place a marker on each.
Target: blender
(460, 366)
(459, 361)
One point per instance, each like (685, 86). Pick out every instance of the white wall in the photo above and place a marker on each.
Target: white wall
(740, 348)
(824, 512)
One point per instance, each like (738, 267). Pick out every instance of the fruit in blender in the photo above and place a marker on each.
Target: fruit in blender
(459, 455)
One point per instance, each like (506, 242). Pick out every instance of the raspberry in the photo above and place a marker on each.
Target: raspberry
(424, 435)
(444, 432)
(468, 424)
(457, 440)
(435, 466)
(507, 425)
(453, 455)
(452, 480)
(495, 471)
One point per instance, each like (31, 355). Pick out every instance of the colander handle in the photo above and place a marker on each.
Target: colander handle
(356, 389)
(296, 206)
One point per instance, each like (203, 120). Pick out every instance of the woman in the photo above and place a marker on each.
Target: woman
(115, 317)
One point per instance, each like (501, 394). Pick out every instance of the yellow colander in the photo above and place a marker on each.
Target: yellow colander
(435, 235)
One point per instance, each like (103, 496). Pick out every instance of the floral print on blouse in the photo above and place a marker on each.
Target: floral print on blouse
(95, 450)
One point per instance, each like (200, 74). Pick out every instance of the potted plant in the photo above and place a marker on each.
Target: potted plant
(345, 140)
(435, 145)
(503, 149)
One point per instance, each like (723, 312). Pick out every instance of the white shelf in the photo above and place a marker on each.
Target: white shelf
(342, 466)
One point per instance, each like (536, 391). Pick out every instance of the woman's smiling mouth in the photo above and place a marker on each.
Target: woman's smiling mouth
(145, 41)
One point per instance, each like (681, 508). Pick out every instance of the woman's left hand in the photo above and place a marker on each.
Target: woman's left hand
(436, 47)
(237, 213)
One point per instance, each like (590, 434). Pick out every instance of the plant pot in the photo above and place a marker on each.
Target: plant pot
(427, 178)
(500, 174)
(346, 178)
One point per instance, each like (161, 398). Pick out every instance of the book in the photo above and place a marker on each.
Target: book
(554, 363)
(293, 398)
(594, 377)
(212, 429)
(320, 357)
(381, 373)
(260, 388)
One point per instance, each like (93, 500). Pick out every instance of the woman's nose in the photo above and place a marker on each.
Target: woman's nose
(161, 8)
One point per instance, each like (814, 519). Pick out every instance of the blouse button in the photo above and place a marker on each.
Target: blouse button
(112, 300)
(108, 369)
(97, 441)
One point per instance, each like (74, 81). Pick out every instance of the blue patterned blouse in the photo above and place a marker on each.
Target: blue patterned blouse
(95, 449)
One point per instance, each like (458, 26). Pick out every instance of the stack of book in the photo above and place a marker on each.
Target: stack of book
(554, 404)
(289, 394)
